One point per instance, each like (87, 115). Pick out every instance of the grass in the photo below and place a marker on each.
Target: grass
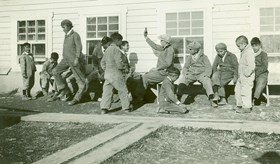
(28, 142)
(188, 145)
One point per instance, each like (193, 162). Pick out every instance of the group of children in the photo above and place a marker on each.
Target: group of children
(111, 70)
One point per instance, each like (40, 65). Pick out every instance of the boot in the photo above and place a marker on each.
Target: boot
(243, 110)
(216, 97)
(212, 102)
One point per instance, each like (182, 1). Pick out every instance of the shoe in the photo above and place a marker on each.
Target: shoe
(213, 104)
(237, 108)
(184, 111)
(25, 98)
(223, 101)
(73, 102)
(160, 110)
(66, 97)
(216, 97)
(104, 111)
(257, 102)
(243, 110)
(127, 110)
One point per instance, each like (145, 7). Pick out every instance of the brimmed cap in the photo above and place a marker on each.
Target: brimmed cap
(66, 22)
(221, 46)
(194, 45)
(165, 37)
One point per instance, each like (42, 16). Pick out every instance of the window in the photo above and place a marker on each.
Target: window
(33, 32)
(270, 30)
(97, 28)
(185, 27)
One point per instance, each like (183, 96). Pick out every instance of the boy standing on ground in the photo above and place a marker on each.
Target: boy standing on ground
(28, 69)
(113, 65)
(261, 71)
(46, 73)
(197, 68)
(225, 69)
(246, 76)
(72, 50)
(168, 101)
(165, 56)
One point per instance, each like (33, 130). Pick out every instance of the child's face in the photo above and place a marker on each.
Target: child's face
(221, 52)
(193, 51)
(105, 46)
(26, 49)
(256, 47)
(241, 46)
(53, 60)
(173, 77)
(163, 43)
(125, 48)
(66, 28)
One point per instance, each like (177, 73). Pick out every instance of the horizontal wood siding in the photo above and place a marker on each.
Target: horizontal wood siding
(5, 41)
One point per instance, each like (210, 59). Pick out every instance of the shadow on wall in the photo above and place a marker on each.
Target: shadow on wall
(270, 157)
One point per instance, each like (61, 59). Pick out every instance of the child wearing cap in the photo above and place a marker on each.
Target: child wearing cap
(246, 76)
(225, 69)
(168, 101)
(165, 60)
(46, 73)
(261, 70)
(197, 68)
(113, 65)
(28, 69)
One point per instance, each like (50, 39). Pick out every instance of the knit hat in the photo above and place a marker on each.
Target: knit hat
(67, 23)
(221, 46)
(54, 55)
(194, 45)
(165, 37)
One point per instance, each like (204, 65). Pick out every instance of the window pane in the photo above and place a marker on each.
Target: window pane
(22, 37)
(197, 23)
(197, 31)
(184, 24)
(91, 35)
(21, 30)
(102, 20)
(184, 31)
(266, 28)
(114, 19)
(102, 28)
(39, 50)
(277, 28)
(178, 45)
(184, 16)
(31, 37)
(277, 20)
(114, 27)
(41, 36)
(192, 39)
(21, 23)
(266, 12)
(91, 45)
(91, 27)
(91, 20)
(30, 23)
(197, 15)
(41, 22)
(101, 34)
(41, 29)
(171, 31)
(266, 20)
(31, 30)
(171, 24)
(271, 43)
(171, 16)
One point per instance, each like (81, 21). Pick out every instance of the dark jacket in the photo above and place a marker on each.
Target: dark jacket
(200, 67)
(261, 61)
(166, 55)
(97, 56)
(230, 64)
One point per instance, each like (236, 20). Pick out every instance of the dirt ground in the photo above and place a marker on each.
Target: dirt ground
(28, 142)
(200, 108)
(204, 146)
